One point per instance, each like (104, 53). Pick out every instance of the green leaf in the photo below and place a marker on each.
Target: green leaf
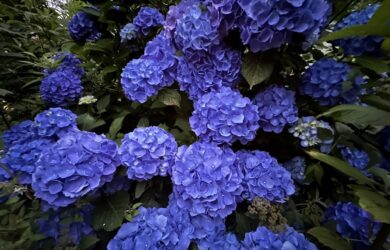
(359, 115)
(87, 242)
(256, 68)
(169, 97)
(374, 203)
(329, 238)
(377, 102)
(88, 122)
(140, 189)
(108, 69)
(143, 122)
(376, 64)
(341, 166)
(103, 103)
(382, 174)
(4, 92)
(116, 125)
(109, 214)
(386, 45)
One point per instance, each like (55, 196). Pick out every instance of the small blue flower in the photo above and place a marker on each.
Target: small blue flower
(61, 87)
(147, 18)
(225, 241)
(360, 45)
(75, 165)
(353, 222)
(270, 24)
(154, 228)
(276, 108)
(200, 72)
(264, 176)
(128, 32)
(355, 157)
(55, 122)
(263, 238)
(83, 27)
(308, 129)
(296, 166)
(225, 116)
(327, 81)
(205, 180)
(147, 152)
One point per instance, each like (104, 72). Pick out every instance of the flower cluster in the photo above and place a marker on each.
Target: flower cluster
(66, 60)
(61, 88)
(270, 24)
(147, 152)
(83, 27)
(19, 134)
(225, 116)
(264, 176)
(146, 19)
(54, 226)
(200, 72)
(205, 180)
(296, 166)
(353, 222)
(263, 238)
(276, 108)
(154, 229)
(224, 241)
(355, 157)
(128, 32)
(55, 122)
(308, 129)
(327, 82)
(197, 28)
(359, 45)
(76, 164)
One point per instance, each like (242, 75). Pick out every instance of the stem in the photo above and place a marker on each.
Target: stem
(381, 238)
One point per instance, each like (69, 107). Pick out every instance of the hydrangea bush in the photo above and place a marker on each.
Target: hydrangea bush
(206, 124)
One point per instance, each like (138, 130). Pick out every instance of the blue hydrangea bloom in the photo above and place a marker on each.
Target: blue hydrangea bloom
(75, 165)
(263, 238)
(359, 45)
(200, 72)
(56, 227)
(175, 12)
(296, 166)
(67, 61)
(128, 32)
(4, 176)
(270, 24)
(307, 130)
(324, 81)
(225, 116)
(147, 18)
(355, 157)
(264, 176)
(197, 28)
(353, 222)
(83, 27)
(19, 134)
(226, 241)
(276, 108)
(162, 51)
(61, 87)
(21, 158)
(154, 229)
(147, 152)
(142, 78)
(55, 122)
(205, 180)
(119, 183)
